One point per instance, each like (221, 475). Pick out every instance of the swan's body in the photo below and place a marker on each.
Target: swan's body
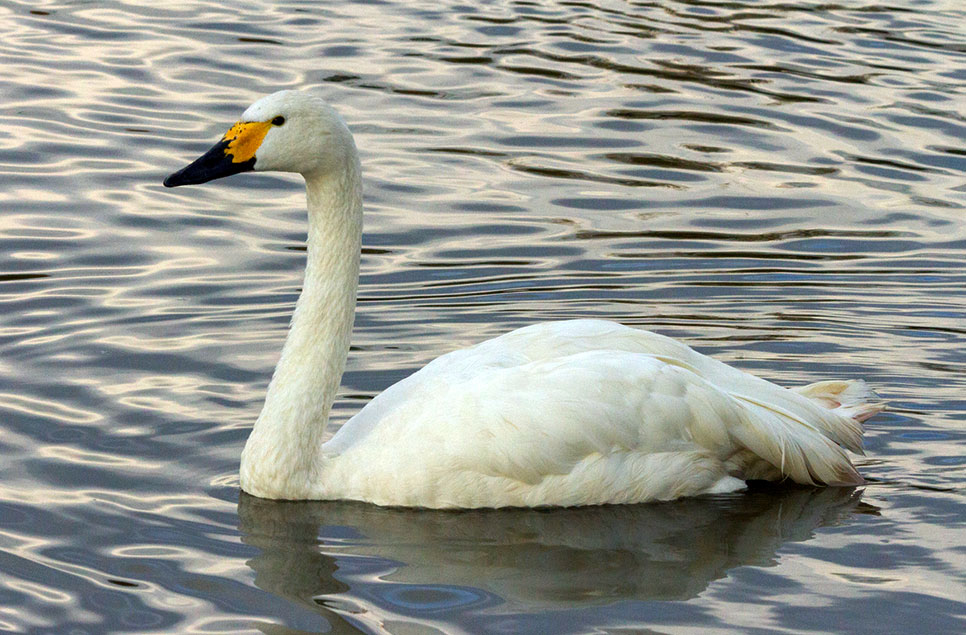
(566, 413)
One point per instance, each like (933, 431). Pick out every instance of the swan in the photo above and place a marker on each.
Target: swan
(578, 412)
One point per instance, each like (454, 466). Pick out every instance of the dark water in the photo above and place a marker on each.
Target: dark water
(779, 184)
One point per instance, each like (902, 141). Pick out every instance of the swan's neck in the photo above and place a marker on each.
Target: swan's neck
(281, 458)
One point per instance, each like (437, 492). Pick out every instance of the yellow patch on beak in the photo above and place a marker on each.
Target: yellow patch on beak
(244, 138)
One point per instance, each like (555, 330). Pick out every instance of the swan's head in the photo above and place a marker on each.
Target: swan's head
(287, 131)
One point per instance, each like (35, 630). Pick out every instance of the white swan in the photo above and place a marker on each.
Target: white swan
(580, 412)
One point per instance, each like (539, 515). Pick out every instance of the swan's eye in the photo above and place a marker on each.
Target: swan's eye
(278, 121)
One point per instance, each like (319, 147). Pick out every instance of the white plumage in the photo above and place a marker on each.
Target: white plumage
(580, 412)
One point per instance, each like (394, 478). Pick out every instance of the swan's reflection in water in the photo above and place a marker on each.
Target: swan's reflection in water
(374, 565)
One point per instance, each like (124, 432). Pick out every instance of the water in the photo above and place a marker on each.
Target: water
(780, 185)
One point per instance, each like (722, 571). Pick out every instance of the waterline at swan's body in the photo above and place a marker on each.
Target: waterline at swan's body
(573, 413)
(566, 413)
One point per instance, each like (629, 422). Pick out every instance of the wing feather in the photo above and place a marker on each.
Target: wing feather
(620, 410)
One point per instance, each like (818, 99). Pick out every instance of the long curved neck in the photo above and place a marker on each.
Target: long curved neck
(282, 453)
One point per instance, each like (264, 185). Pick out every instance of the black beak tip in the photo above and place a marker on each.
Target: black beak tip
(214, 164)
(191, 175)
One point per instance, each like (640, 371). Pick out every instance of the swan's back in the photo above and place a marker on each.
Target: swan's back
(584, 412)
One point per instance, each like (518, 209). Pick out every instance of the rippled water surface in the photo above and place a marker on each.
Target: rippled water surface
(780, 185)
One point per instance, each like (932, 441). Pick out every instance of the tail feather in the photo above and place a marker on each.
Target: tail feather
(803, 434)
(800, 451)
(853, 399)
(805, 446)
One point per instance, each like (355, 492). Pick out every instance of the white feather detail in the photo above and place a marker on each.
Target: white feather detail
(579, 412)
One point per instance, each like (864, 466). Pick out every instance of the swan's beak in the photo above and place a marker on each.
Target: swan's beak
(233, 154)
